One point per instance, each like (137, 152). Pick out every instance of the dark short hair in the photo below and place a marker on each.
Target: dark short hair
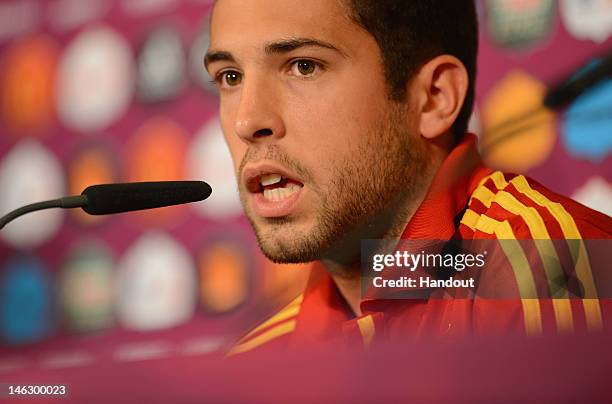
(412, 32)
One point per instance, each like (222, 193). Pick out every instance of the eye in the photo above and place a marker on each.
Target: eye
(304, 68)
(229, 78)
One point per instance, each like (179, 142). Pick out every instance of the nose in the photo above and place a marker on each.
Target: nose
(258, 118)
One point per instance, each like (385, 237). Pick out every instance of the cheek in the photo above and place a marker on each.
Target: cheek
(338, 138)
(335, 116)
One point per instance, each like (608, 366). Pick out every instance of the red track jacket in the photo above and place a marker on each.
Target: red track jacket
(465, 201)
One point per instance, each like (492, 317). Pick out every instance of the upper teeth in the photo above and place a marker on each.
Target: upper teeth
(270, 179)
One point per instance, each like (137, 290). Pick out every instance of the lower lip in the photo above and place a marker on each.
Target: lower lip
(267, 208)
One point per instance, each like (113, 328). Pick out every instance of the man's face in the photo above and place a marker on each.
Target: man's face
(321, 154)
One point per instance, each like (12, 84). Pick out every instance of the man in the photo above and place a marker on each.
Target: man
(346, 121)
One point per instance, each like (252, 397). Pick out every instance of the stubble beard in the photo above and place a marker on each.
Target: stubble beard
(369, 197)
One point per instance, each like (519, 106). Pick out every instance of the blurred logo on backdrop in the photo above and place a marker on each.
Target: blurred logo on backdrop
(155, 283)
(86, 287)
(282, 282)
(519, 24)
(90, 165)
(95, 80)
(199, 47)
(587, 19)
(28, 81)
(161, 66)
(209, 159)
(596, 193)
(26, 301)
(586, 124)
(225, 266)
(474, 125)
(513, 98)
(30, 173)
(156, 152)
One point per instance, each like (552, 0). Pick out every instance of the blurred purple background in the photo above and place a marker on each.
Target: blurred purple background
(114, 90)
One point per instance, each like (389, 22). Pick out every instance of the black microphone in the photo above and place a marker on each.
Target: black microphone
(587, 76)
(117, 198)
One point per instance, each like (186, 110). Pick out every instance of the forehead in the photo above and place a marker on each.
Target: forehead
(237, 23)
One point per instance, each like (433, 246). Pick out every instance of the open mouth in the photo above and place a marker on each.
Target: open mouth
(274, 191)
(275, 187)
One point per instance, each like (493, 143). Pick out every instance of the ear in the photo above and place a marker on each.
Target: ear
(440, 87)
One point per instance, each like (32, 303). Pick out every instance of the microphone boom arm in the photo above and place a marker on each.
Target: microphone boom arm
(68, 202)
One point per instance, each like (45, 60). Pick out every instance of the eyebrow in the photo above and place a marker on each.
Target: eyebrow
(291, 44)
(278, 47)
(218, 56)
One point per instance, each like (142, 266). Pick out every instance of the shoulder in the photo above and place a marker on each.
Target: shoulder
(516, 209)
(514, 206)
(273, 332)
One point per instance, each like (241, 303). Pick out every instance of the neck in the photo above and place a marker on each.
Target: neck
(345, 268)
(350, 288)
(346, 273)
(344, 265)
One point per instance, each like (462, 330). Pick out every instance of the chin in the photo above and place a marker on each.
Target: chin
(278, 253)
(285, 245)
